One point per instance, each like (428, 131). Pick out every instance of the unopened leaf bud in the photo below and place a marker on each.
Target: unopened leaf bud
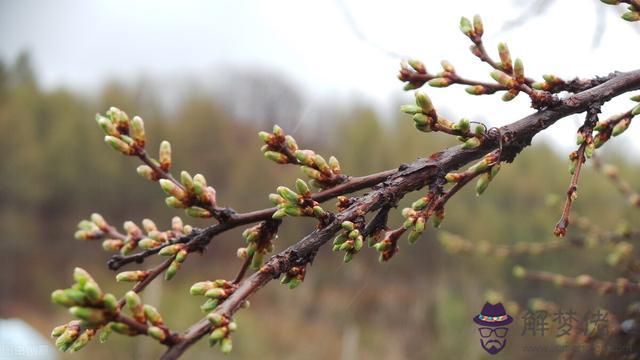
(465, 26)
(165, 155)
(136, 275)
(280, 158)
(118, 145)
(156, 333)
(137, 131)
(199, 212)
(440, 82)
(478, 27)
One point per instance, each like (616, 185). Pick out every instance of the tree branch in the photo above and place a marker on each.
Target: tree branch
(515, 137)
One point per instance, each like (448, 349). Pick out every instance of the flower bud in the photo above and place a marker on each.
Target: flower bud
(478, 27)
(199, 212)
(465, 26)
(476, 90)
(631, 16)
(621, 126)
(482, 183)
(90, 315)
(510, 95)
(418, 66)
(471, 143)
(288, 194)
(256, 260)
(226, 345)
(264, 136)
(119, 145)
(447, 66)
(505, 58)
(439, 82)
(312, 173)
(147, 172)
(156, 333)
(58, 330)
(279, 214)
(302, 187)
(334, 164)
(276, 156)
(165, 155)
(502, 78)
(137, 131)
(424, 102)
(136, 275)
(107, 126)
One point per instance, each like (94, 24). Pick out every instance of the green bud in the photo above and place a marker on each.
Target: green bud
(478, 27)
(631, 16)
(505, 58)
(172, 270)
(200, 288)
(418, 66)
(465, 26)
(118, 145)
(137, 131)
(358, 243)
(589, 150)
(621, 126)
(132, 300)
(226, 345)
(279, 214)
(90, 315)
(107, 126)
(110, 302)
(635, 98)
(340, 239)
(518, 70)
(635, 111)
(81, 276)
(312, 173)
(347, 257)
(216, 319)
(439, 82)
(423, 101)
(256, 260)
(318, 211)
(294, 283)
(276, 156)
(421, 119)
(471, 143)
(59, 297)
(276, 199)
(187, 181)
(334, 165)
(482, 183)
(302, 187)
(165, 155)
(147, 172)
(215, 293)
(58, 330)
(137, 275)
(419, 225)
(264, 136)
(410, 109)
(199, 212)
(174, 203)
(277, 130)
(502, 78)
(104, 333)
(156, 333)
(413, 237)
(420, 204)
(510, 95)
(288, 194)
(170, 188)
(476, 90)
(209, 305)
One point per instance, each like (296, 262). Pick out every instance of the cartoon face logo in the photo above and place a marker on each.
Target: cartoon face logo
(492, 327)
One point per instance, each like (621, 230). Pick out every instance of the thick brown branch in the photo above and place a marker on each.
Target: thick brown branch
(411, 177)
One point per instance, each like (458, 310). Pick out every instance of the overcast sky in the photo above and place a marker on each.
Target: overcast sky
(80, 43)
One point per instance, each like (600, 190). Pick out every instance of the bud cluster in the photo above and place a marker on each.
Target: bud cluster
(221, 332)
(613, 126)
(190, 193)
(86, 301)
(283, 149)
(259, 239)
(134, 237)
(215, 292)
(349, 240)
(426, 119)
(294, 277)
(296, 203)
(621, 286)
(487, 169)
(123, 135)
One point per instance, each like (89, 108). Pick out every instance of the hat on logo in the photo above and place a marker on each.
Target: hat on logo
(493, 315)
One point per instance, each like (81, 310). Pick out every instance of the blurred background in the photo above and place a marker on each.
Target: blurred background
(207, 76)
